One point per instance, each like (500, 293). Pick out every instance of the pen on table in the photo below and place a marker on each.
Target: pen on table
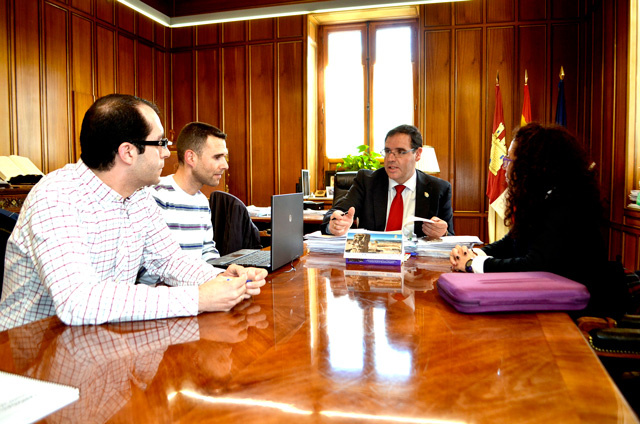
(334, 218)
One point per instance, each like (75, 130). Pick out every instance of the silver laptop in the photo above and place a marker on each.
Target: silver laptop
(286, 237)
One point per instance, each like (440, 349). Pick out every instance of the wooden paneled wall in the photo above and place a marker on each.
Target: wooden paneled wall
(247, 78)
(57, 57)
(464, 45)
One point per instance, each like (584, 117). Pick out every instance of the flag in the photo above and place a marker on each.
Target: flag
(561, 111)
(526, 105)
(496, 182)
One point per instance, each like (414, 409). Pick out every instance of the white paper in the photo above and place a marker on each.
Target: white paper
(25, 400)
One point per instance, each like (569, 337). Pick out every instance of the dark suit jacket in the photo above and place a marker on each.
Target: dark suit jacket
(368, 195)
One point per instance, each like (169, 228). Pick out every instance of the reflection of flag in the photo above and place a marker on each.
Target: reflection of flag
(561, 111)
(526, 107)
(496, 182)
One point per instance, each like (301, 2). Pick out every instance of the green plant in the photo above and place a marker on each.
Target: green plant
(364, 160)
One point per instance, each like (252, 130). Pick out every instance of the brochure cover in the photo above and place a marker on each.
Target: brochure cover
(374, 248)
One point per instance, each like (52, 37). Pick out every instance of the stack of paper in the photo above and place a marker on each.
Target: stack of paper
(323, 243)
(440, 247)
(259, 211)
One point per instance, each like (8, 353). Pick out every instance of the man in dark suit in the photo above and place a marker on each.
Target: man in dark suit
(372, 197)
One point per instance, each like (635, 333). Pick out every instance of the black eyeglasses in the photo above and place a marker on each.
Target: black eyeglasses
(165, 143)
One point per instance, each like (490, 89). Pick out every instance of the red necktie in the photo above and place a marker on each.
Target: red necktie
(394, 222)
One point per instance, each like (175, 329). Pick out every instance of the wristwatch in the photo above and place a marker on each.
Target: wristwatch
(467, 266)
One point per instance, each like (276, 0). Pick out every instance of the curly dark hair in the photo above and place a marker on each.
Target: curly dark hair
(549, 163)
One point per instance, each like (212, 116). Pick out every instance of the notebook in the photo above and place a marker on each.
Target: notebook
(286, 237)
(26, 400)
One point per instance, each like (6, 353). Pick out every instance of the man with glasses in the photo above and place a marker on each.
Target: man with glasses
(86, 230)
(202, 159)
(382, 200)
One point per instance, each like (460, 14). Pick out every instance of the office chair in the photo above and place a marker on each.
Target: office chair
(232, 226)
(342, 183)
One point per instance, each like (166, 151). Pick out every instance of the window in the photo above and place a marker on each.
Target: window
(368, 85)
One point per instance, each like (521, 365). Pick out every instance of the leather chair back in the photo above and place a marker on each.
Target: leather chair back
(232, 226)
(342, 183)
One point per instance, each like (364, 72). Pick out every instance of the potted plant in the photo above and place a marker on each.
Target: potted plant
(363, 160)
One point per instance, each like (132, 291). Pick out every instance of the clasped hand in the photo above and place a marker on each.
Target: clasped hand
(230, 287)
(459, 256)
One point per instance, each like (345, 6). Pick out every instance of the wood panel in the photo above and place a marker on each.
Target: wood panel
(262, 140)
(468, 192)
(126, 65)
(105, 58)
(57, 88)
(104, 10)
(84, 5)
(160, 91)
(468, 12)
(208, 86)
(261, 29)
(565, 9)
(144, 73)
(126, 18)
(291, 108)
(82, 53)
(533, 58)
(5, 84)
(144, 27)
(291, 26)
(532, 10)
(182, 94)
(233, 32)
(436, 130)
(27, 76)
(207, 34)
(438, 14)
(500, 11)
(234, 118)
(611, 62)
(162, 33)
(182, 37)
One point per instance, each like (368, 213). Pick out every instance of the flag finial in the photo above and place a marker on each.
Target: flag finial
(526, 76)
(561, 73)
(497, 77)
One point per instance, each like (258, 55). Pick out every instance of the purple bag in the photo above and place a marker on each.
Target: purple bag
(512, 291)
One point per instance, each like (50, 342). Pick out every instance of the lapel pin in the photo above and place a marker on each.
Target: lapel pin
(426, 194)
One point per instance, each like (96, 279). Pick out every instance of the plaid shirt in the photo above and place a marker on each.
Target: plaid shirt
(76, 251)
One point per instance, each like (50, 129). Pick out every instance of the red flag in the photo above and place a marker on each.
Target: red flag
(496, 182)
(526, 106)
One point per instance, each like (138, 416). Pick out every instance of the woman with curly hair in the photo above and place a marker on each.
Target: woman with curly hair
(553, 213)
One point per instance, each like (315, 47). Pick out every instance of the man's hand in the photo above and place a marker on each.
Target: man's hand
(255, 278)
(341, 222)
(436, 229)
(222, 293)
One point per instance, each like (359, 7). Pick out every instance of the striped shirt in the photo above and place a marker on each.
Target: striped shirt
(76, 251)
(189, 219)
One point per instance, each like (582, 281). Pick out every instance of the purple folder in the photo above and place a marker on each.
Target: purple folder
(512, 291)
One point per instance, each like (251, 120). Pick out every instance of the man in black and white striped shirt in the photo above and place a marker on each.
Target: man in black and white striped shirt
(202, 159)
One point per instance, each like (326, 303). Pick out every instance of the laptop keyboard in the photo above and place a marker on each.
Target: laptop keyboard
(260, 257)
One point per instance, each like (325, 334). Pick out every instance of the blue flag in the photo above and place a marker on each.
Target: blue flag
(561, 111)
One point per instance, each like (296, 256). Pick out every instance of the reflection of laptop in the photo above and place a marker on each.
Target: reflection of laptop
(286, 237)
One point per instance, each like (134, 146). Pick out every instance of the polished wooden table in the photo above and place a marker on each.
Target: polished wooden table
(326, 344)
